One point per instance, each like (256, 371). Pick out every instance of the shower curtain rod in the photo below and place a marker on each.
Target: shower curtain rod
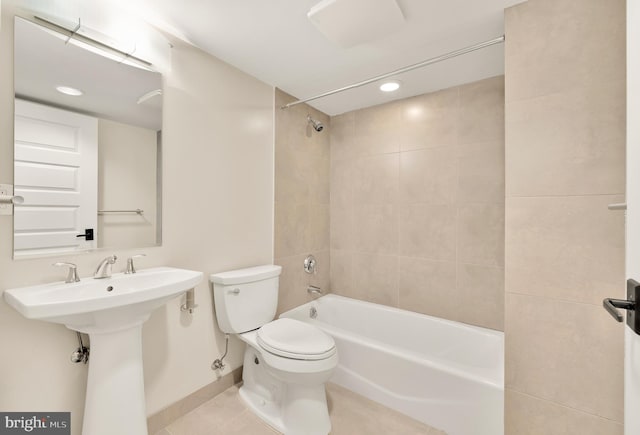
(424, 63)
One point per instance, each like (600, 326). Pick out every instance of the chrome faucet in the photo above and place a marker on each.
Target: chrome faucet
(72, 276)
(131, 268)
(313, 290)
(104, 268)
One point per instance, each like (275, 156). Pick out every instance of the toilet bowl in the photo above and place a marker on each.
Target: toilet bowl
(286, 362)
(284, 379)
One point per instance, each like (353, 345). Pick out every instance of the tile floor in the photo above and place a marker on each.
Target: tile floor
(351, 414)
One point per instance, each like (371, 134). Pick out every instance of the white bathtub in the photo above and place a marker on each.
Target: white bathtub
(446, 374)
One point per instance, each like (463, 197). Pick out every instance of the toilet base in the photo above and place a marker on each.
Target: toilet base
(269, 412)
(290, 408)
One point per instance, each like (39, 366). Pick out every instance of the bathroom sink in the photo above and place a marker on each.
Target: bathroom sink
(90, 302)
(112, 311)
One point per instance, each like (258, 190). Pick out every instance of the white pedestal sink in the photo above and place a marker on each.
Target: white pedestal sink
(112, 312)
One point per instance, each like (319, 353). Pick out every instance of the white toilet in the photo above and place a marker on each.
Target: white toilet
(286, 362)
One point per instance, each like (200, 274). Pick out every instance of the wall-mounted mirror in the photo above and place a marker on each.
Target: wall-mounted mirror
(87, 147)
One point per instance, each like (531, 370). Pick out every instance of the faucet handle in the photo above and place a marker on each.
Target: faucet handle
(72, 276)
(130, 266)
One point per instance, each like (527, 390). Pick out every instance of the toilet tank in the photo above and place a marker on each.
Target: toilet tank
(245, 299)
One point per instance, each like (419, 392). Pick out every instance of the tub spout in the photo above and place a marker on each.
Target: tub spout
(313, 290)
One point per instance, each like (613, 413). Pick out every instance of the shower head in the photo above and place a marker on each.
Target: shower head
(317, 125)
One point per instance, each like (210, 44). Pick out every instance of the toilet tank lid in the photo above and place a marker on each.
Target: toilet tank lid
(243, 276)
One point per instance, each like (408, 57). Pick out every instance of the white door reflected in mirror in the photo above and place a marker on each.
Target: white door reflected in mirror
(56, 171)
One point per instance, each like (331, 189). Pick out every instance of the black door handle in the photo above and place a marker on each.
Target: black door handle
(611, 304)
(633, 308)
(88, 234)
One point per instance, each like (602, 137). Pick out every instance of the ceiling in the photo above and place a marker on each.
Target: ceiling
(274, 41)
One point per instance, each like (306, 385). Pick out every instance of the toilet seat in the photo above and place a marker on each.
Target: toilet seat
(294, 339)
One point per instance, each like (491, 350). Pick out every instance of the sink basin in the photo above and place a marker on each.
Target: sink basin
(111, 311)
(98, 302)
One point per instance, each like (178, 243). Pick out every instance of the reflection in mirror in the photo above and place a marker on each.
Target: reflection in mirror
(87, 147)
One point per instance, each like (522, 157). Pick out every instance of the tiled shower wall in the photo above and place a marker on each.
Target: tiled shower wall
(301, 200)
(565, 160)
(417, 203)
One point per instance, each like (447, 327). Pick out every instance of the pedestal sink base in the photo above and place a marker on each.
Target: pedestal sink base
(112, 312)
(115, 402)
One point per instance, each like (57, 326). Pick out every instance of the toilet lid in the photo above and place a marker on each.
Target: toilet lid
(295, 339)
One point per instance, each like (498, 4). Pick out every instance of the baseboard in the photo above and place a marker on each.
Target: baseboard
(163, 418)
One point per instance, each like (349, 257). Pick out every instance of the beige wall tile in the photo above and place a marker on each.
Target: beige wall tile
(375, 229)
(376, 129)
(428, 176)
(480, 291)
(318, 227)
(300, 134)
(428, 287)
(569, 353)
(579, 35)
(318, 179)
(291, 228)
(481, 234)
(428, 231)
(570, 143)
(375, 179)
(482, 111)
(374, 119)
(376, 143)
(293, 282)
(302, 192)
(481, 173)
(342, 174)
(291, 176)
(565, 131)
(430, 120)
(341, 277)
(527, 415)
(375, 277)
(568, 248)
(388, 203)
(341, 228)
(342, 133)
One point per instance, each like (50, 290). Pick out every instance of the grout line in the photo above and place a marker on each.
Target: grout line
(397, 216)
(564, 196)
(550, 298)
(563, 405)
(458, 109)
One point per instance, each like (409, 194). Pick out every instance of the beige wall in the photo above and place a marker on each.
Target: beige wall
(127, 162)
(218, 215)
(301, 200)
(565, 154)
(417, 203)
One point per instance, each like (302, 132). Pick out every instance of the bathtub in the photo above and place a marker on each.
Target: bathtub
(446, 374)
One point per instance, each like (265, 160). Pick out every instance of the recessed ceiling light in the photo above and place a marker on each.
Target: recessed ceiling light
(390, 86)
(69, 91)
